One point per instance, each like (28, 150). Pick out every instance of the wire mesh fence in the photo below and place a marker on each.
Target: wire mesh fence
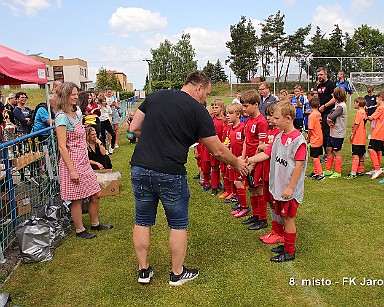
(28, 178)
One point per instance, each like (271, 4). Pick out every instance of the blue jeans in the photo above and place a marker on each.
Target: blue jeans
(150, 186)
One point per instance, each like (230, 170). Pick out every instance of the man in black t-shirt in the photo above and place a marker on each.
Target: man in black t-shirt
(167, 123)
(325, 89)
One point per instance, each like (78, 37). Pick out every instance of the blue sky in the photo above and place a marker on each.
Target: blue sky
(119, 34)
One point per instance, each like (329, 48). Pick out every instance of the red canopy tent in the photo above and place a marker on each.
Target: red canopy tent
(18, 68)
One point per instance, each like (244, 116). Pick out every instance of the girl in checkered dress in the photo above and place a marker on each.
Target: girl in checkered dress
(77, 179)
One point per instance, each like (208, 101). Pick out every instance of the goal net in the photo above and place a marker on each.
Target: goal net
(360, 80)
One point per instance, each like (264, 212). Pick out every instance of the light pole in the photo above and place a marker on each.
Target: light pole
(149, 61)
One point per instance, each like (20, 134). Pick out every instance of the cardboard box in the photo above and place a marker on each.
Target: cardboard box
(24, 194)
(112, 188)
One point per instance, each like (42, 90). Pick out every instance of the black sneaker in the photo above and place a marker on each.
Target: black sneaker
(278, 249)
(185, 276)
(206, 188)
(231, 200)
(214, 192)
(310, 175)
(85, 235)
(351, 176)
(252, 219)
(259, 225)
(318, 177)
(145, 276)
(359, 173)
(220, 186)
(101, 227)
(283, 257)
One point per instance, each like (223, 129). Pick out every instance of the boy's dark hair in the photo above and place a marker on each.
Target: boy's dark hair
(361, 101)
(17, 96)
(314, 103)
(198, 77)
(250, 97)
(270, 109)
(340, 94)
(108, 88)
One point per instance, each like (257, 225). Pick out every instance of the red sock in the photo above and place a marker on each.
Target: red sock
(280, 229)
(227, 185)
(215, 173)
(275, 227)
(289, 242)
(355, 164)
(242, 197)
(338, 164)
(360, 168)
(262, 205)
(329, 163)
(255, 207)
(317, 166)
(207, 179)
(233, 188)
(374, 159)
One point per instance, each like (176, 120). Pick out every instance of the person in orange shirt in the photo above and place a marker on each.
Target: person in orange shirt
(358, 138)
(375, 146)
(315, 139)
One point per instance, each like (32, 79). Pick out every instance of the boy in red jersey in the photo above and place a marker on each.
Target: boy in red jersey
(288, 156)
(277, 232)
(217, 116)
(236, 140)
(223, 167)
(256, 127)
(315, 139)
(375, 146)
(358, 138)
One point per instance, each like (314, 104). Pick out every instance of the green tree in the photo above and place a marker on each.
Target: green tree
(295, 47)
(162, 59)
(272, 38)
(115, 83)
(243, 58)
(209, 70)
(173, 62)
(102, 78)
(219, 75)
(183, 58)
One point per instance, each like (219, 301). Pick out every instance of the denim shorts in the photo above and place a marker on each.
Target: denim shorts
(149, 187)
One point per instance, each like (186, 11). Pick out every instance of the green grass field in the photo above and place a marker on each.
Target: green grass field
(339, 236)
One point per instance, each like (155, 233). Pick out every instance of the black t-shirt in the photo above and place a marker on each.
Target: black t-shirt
(325, 91)
(371, 101)
(173, 122)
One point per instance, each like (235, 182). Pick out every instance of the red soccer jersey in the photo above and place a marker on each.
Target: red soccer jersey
(271, 135)
(255, 132)
(219, 126)
(226, 129)
(236, 139)
(360, 135)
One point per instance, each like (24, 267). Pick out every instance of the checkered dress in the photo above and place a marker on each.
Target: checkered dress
(77, 148)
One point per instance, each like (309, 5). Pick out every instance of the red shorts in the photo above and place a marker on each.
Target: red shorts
(205, 166)
(285, 208)
(267, 195)
(214, 161)
(258, 174)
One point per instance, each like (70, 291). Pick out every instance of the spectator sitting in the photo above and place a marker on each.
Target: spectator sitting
(96, 151)
(41, 117)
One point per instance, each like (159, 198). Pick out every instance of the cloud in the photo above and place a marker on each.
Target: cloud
(360, 5)
(326, 16)
(28, 7)
(133, 19)
(289, 2)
